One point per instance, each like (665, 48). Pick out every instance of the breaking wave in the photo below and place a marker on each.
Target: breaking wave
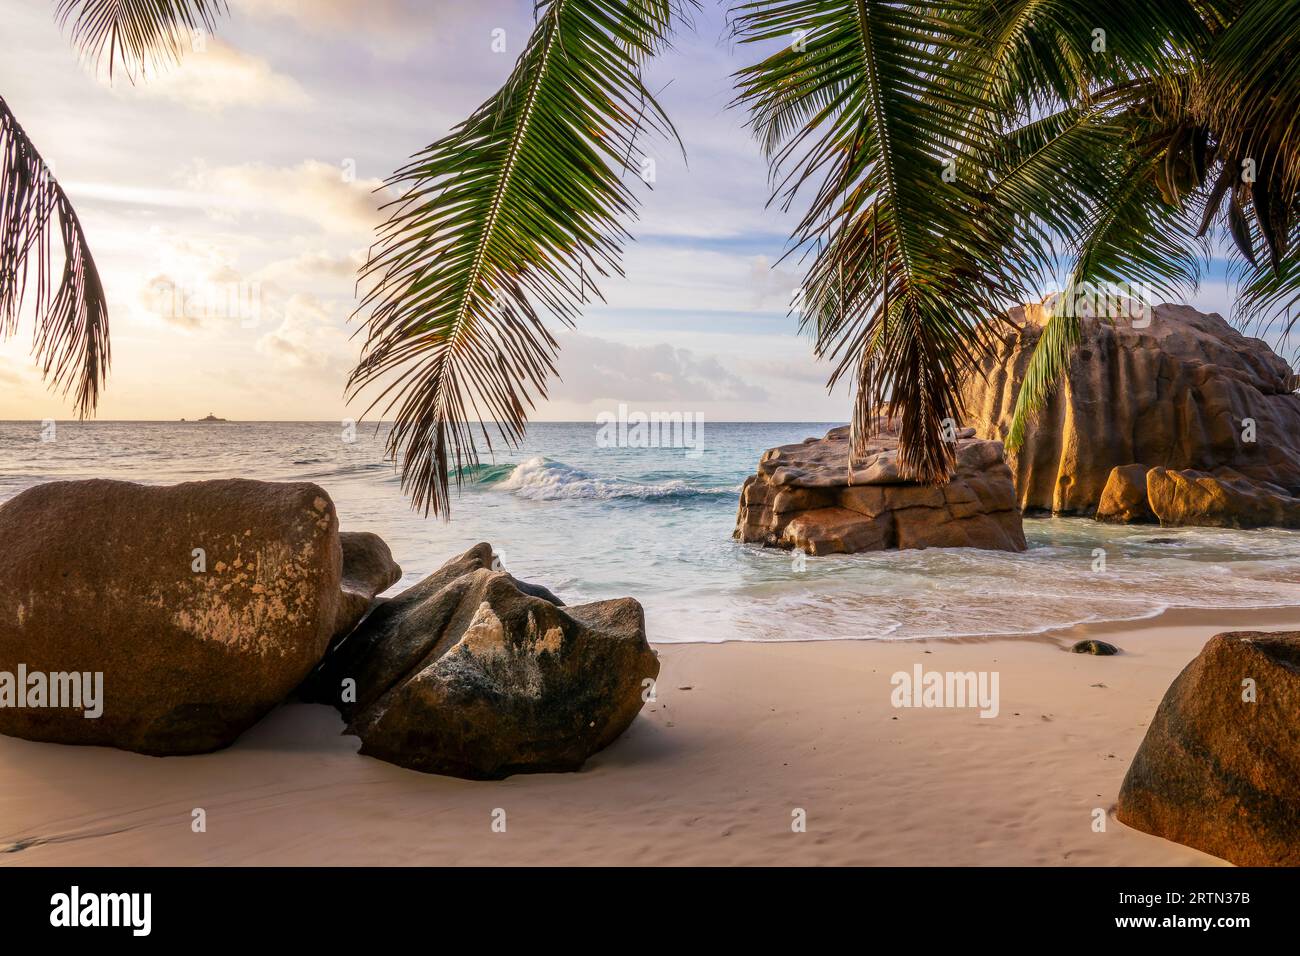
(541, 479)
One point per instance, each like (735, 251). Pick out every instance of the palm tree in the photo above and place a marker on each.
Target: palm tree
(953, 155)
(1208, 136)
(72, 342)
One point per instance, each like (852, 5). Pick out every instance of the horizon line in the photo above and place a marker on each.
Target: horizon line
(336, 422)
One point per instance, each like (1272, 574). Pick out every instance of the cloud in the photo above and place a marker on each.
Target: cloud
(771, 287)
(386, 18)
(307, 338)
(595, 369)
(806, 370)
(12, 374)
(318, 192)
(683, 276)
(314, 266)
(219, 76)
(321, 15)
(163, 296)
(192, 284)
(397, 30)
(219, 299)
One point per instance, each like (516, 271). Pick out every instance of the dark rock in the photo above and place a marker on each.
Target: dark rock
(100, 576)
(1100, 648)
(352, 652)
(1219, 768)
(466, 674)
(537, 591)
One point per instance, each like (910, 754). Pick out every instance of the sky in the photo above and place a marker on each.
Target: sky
(229, 201)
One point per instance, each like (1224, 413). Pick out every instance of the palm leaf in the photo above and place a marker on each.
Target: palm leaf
(72, 318)
(1133, 237)
(1250, 93)
(72, 343)
(905, 280)
(138, 34)
(1047, 54)
(1232, 102)
(1267, 300)
(501, 224)
(1250, 96)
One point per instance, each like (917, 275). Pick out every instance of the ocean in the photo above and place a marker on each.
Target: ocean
(593, 522)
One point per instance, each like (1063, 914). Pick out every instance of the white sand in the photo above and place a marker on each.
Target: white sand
(708, 775)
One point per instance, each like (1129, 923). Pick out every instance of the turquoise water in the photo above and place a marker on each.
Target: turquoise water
(655, 523)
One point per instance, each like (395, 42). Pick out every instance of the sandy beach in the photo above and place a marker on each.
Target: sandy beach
(740, 736)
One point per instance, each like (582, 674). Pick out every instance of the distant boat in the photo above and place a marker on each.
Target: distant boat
(210, 418)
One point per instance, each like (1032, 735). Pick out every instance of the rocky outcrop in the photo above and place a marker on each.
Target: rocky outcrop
(1173, 389)
(1124, 498)
(1225, 499)
(468, 673)
(202, 605)
(1219, 769)
(805, 496)
(1222, 500)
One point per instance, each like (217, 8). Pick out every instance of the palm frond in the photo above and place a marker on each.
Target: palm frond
(1250, 97)
(139, 34)
(905, 280)
(1047, 54)
(1268, 301)
(1250, 92)
(71, 317)
(1218, 137)
(503, 223)
(1134, 237)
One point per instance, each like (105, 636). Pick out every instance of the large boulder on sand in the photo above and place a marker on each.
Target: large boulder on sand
(474, 674)
(1168, 387)
(1219, 769)
(201, 604)
(805, 496)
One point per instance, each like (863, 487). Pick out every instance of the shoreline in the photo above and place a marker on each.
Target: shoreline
(1279, 616)
(740, 736)
(1070, 633)
(1263, 617)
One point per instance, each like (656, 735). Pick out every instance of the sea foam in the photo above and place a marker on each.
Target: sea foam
(541, 479)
